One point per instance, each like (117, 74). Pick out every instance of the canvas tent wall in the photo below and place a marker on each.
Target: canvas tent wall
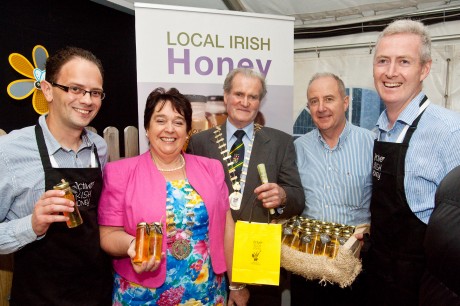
(350, 57)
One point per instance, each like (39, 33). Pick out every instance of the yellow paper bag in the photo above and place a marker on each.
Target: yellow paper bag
(256, 253)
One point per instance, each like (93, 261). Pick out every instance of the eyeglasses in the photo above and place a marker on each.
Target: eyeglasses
(75, 90)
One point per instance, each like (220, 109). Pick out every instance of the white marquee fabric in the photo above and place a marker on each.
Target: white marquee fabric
(310, 13)
(351, 59)
(313, 13)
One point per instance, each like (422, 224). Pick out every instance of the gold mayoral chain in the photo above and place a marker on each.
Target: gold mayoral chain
(236, 196)
(180, 247)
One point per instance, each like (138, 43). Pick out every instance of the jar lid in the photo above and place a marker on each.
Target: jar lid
(62, 185)
(216, 107)
(196, 98)
(215, 98)
(156, 227)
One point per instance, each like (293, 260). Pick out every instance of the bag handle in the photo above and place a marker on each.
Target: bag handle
(252, 209)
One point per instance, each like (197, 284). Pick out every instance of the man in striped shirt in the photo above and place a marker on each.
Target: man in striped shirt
(53, 263)
(417, 145)
(335, 166)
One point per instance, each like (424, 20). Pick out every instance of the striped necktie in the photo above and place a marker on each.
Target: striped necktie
(237, 152)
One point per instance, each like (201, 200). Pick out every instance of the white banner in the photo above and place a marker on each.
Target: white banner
(193, 50)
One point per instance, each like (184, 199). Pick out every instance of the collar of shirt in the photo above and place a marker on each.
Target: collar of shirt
(248, 129)
(53, 145)
(407, 116)
(342, 138)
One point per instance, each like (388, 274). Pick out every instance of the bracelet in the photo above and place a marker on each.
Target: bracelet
(237, 287)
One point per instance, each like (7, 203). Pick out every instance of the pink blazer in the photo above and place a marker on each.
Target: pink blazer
(135, 191)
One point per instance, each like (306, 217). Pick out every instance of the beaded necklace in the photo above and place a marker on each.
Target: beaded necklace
(182, 164)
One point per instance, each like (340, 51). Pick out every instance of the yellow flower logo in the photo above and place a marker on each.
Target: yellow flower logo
(22, 88)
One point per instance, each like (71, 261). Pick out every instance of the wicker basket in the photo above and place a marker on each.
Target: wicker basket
(342, 270)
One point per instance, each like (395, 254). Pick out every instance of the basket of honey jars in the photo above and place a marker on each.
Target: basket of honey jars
(321, 250)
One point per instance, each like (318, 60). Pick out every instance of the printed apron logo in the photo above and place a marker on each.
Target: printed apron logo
(82, 193)
(377, 166)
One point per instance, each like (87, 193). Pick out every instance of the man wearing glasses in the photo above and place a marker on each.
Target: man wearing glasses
(54, 264)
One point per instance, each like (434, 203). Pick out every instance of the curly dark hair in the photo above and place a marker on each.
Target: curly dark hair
(178, 101)
(55, 62)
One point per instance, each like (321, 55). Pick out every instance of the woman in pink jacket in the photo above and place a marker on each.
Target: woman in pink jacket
(187, 194)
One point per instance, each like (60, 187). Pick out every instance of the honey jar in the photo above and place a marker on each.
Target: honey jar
(74, 217)
(142, 243)
(156, 240)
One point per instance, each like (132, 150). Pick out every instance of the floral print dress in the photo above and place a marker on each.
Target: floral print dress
(189, 281)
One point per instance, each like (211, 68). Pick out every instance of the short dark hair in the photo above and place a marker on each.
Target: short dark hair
(178, 101)
(55, 62)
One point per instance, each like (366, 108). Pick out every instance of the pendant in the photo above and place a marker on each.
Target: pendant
(235, 200)
(180, 249)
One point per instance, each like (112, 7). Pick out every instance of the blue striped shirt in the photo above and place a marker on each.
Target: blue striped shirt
(337, 181)
(434, 150)
(22, 180)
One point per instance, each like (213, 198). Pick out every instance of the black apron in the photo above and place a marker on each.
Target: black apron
(67, 266)
(395, 262)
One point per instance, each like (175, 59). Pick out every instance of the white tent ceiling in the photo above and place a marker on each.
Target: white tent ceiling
(334, 12)
(313, 13)
(354, 24)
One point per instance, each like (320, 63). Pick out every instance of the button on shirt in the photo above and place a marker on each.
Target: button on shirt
(434, 150)
(22, 180)
(337, 181)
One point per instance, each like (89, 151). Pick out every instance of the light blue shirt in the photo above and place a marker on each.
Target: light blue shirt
(231, 129)
(337, 181)
(22, 179)
(434, 150)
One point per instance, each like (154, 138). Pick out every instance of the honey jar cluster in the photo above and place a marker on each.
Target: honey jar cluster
(149, 239)
(315, 237)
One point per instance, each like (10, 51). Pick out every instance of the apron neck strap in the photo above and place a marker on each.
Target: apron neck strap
(402, 136)
(48, 160)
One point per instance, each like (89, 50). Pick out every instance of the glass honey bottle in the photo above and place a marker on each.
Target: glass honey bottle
(315, 244)
(156, 240)
(74, 216)
(142, 243)
(305, 240)
(332, 247)
(287, 235)
(296, 234)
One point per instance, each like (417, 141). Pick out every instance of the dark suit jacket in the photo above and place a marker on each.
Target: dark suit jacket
(440, 284)
(276, 150)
